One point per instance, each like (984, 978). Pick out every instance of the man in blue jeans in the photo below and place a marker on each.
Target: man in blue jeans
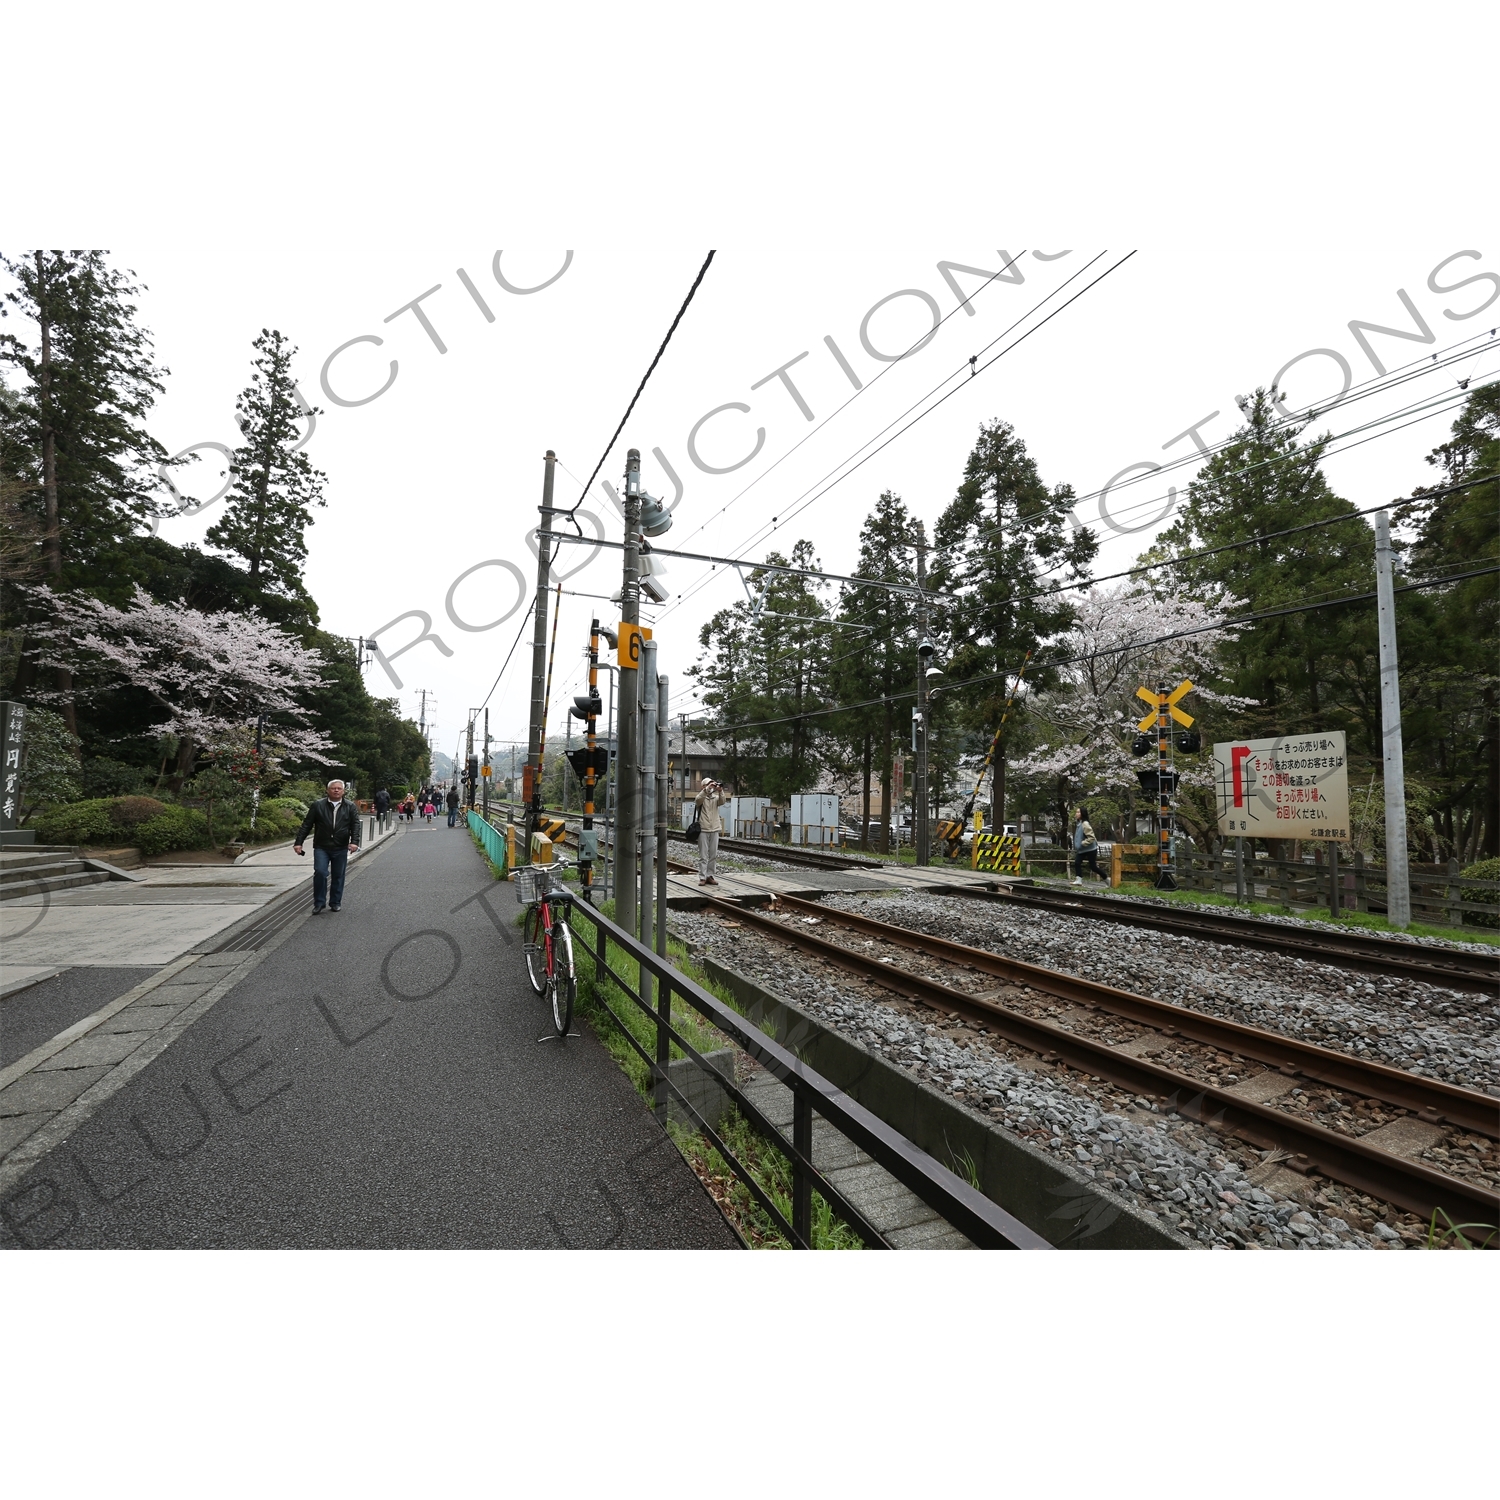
(334, 824)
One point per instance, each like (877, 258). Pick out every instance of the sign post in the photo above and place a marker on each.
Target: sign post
(14, 721)
(1290, 787)
(1163, 711)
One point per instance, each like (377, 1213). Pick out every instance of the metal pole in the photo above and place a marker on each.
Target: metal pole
(1397, 870)
(1164, 880)
(487, 770)
(1239, 869)
(468, 757)
(920, 835)
(532, 791)
(663, 780)
(588, 842)
(646, 802)
(611, 801)
(627, 788)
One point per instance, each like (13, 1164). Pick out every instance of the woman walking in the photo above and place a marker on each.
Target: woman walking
(706, 807)
(1085, 847)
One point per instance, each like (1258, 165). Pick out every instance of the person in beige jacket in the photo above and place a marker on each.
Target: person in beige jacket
(706, 807)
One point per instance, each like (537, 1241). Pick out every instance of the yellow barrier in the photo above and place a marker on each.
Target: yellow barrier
(1135, 859)
(997, 852)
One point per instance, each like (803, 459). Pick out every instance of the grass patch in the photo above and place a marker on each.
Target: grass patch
(1370, 921)
(771, 1169)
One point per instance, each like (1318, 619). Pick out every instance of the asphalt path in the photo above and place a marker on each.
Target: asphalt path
(376, 1081)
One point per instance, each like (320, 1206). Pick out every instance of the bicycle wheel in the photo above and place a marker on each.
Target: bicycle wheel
(562, 982)
(536, 949)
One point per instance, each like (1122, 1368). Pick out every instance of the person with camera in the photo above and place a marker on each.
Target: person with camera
(706, 820)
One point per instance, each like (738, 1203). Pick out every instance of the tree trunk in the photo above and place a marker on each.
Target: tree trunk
(864, 825)
(52, 541)
(187, 757)
(887, 784)
(1492, 780)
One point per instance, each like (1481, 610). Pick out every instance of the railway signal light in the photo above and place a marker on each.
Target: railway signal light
(1162, 782)
(587, 705)
(1189, 742)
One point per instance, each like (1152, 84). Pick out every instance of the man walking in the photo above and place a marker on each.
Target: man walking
(382, 807)
(334, 824)
(452, 805)
(706, 807)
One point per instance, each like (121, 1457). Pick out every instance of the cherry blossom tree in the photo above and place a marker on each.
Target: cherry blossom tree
(1122, 639)
(211, 674)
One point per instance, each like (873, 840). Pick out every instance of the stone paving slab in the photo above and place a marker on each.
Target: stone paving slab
(43, 1090)
(16, 1128)
(113, 936)
(98, 1049)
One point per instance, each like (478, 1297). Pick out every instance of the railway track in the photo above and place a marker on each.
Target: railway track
(1404, 1182)
(1348, 950)
(789, 854)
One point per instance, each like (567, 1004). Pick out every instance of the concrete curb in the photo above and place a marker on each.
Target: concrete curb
(1069, 1209)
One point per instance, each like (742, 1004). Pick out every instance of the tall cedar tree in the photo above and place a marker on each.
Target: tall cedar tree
(1449, 638)
(273, 486)
(1004, 536)
(74, 436)
(878, 659)
(766, 666)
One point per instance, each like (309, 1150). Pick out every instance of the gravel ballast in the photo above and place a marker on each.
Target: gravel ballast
(1217, 1191)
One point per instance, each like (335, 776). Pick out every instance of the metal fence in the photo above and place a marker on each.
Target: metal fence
(963, 1206)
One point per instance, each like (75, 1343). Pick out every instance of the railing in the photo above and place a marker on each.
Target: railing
(967, 1209)
(491, 837)
(1440, 896)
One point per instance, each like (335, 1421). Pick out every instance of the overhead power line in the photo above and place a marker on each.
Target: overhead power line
(697, 282)
(1064, 661)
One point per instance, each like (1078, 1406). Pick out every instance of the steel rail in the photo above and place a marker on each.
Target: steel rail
(790, 854)
(1408, 1184)
(1372, 955)
(1430, 1098)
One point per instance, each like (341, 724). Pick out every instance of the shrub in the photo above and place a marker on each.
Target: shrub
(1486, 869)
(172, 828)
(127, 813)
(102, 777)
(76, 823)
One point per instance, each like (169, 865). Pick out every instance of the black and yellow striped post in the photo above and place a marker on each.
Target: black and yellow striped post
(1164, 710)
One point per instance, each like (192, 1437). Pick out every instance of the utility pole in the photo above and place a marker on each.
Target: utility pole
(663, 782)
(1397, 870)
(586, 706)
(646, 800)
(920, 835)
(627, 789)
(486, 770)
(532, 787)
(470, 765)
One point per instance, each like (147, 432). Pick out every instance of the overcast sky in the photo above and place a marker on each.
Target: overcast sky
(829, 175)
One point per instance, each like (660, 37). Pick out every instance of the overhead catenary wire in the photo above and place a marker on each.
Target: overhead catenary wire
(692, 291)
(807, 501)
(844, 708)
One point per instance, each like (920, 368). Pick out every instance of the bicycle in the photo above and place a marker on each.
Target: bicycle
(549, 939)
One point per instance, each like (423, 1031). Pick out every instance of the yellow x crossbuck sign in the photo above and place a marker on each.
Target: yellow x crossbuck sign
(1169, 701)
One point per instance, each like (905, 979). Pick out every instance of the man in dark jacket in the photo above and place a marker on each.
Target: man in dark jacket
(452, 805)
(334, 824)
(382, 807)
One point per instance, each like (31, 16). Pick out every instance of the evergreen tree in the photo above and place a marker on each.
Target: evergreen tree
(273, 487)
(1316, 670)
(1004, 536)
(877, 657)
(74, 436)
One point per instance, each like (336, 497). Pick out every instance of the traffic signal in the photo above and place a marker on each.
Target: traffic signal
(1150, 782)
(587, 705)
(579, 760)
(1143, 744)
(473, 772)
(1189, 742)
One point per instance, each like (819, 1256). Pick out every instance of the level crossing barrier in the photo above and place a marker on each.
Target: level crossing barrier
(965, 1207)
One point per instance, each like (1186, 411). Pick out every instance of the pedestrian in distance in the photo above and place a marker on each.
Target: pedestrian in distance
(333, 822)
(706, 819)
(428, 809)
(382, 807)
(1085, 847)
(452, 806)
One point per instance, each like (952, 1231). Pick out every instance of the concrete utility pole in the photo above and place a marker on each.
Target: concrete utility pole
(627, 787)
(532, 779)
(469, 760)
(646, 800)
(486, 770)
(921, 837)
(663, 782)
(1397, 870)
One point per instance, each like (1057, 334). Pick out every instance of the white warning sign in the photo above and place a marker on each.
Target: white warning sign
(1292, 787)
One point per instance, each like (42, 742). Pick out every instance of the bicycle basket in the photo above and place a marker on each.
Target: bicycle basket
(532, 882)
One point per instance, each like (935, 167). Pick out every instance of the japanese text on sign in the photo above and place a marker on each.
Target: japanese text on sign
(1288, 787)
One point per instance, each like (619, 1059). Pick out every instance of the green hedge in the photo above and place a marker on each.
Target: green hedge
(172, 828)
(1486, 869)
(77, 822)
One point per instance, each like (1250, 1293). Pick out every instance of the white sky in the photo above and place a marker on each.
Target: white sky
(315, 175)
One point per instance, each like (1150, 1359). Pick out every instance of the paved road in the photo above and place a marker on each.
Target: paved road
(375, 1079)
